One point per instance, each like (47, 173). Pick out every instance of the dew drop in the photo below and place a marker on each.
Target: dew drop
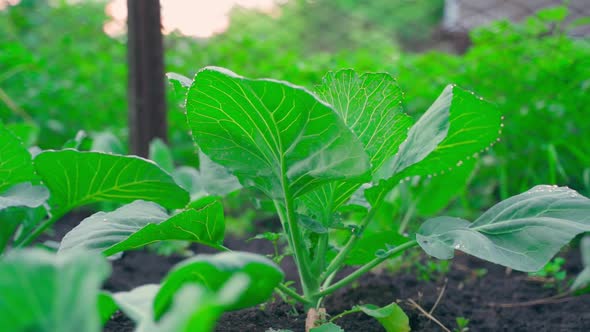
(459, 163)
(502, 117)
(501, 125)
(498, 139)
(475, 155)
(429, 176)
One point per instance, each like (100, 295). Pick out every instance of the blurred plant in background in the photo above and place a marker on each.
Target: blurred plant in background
(59, 70)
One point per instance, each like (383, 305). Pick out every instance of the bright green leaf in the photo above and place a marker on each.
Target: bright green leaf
(456, 127)
(431, 195)
(370, 244)
(77, 178)
(328, 327)
(213, 271)
(16, 165)
(392, 317)
(28, 133)
(371, 106)
(106, 306)
(46, 293)
(140, 223)
(194, 308)
(272, 135)
(522, 232)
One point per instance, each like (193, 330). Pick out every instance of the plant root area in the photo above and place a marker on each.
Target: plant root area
(499, 300)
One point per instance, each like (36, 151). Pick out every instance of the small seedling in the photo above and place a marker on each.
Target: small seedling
(552, 273)
(462, 324)
(432, 269)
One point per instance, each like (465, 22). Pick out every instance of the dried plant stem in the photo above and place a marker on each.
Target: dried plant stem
(559, 298)
(440, 295)
(429, 316)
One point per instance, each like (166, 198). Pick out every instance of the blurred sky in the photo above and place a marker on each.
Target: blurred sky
(199, 18)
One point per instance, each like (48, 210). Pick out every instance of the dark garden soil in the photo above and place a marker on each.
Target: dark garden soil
(496, 301)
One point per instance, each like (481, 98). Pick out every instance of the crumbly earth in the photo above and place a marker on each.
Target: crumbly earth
(492, 302)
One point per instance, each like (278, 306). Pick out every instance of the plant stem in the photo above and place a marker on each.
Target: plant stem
(366, 268)
(344, 313)
(292, 293)
(40, 229)
(336, 263)
(309, 281)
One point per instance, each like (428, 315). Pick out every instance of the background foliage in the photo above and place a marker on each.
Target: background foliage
(60, 71)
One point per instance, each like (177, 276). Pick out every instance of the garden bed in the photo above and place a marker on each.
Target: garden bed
(496, 301)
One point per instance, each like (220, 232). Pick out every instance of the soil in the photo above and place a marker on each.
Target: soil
(495, 301)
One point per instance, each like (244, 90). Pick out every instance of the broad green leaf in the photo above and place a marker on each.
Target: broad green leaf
(77, 178)
(28, 133)
(582, 281)
(23, 194)
(161, 155)
(522, 232)
(16, 164)
(457, 126)
(196, 308)
(272, 135)
(46, 293)
(193, 310)
(140, 223)
(213, 271)
(392, 317)
(371, 106)
(328, 327)
(210, 180)
(431, 195)
(371, 244)
(436, 193)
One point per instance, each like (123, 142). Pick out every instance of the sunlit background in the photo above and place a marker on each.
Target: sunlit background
(200, 18)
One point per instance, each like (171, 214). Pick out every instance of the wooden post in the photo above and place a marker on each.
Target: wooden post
(146, 90)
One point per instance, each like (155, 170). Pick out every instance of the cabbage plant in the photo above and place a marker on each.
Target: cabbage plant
(347, 144)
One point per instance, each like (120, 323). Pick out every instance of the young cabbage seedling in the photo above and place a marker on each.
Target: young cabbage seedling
(349, 143)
